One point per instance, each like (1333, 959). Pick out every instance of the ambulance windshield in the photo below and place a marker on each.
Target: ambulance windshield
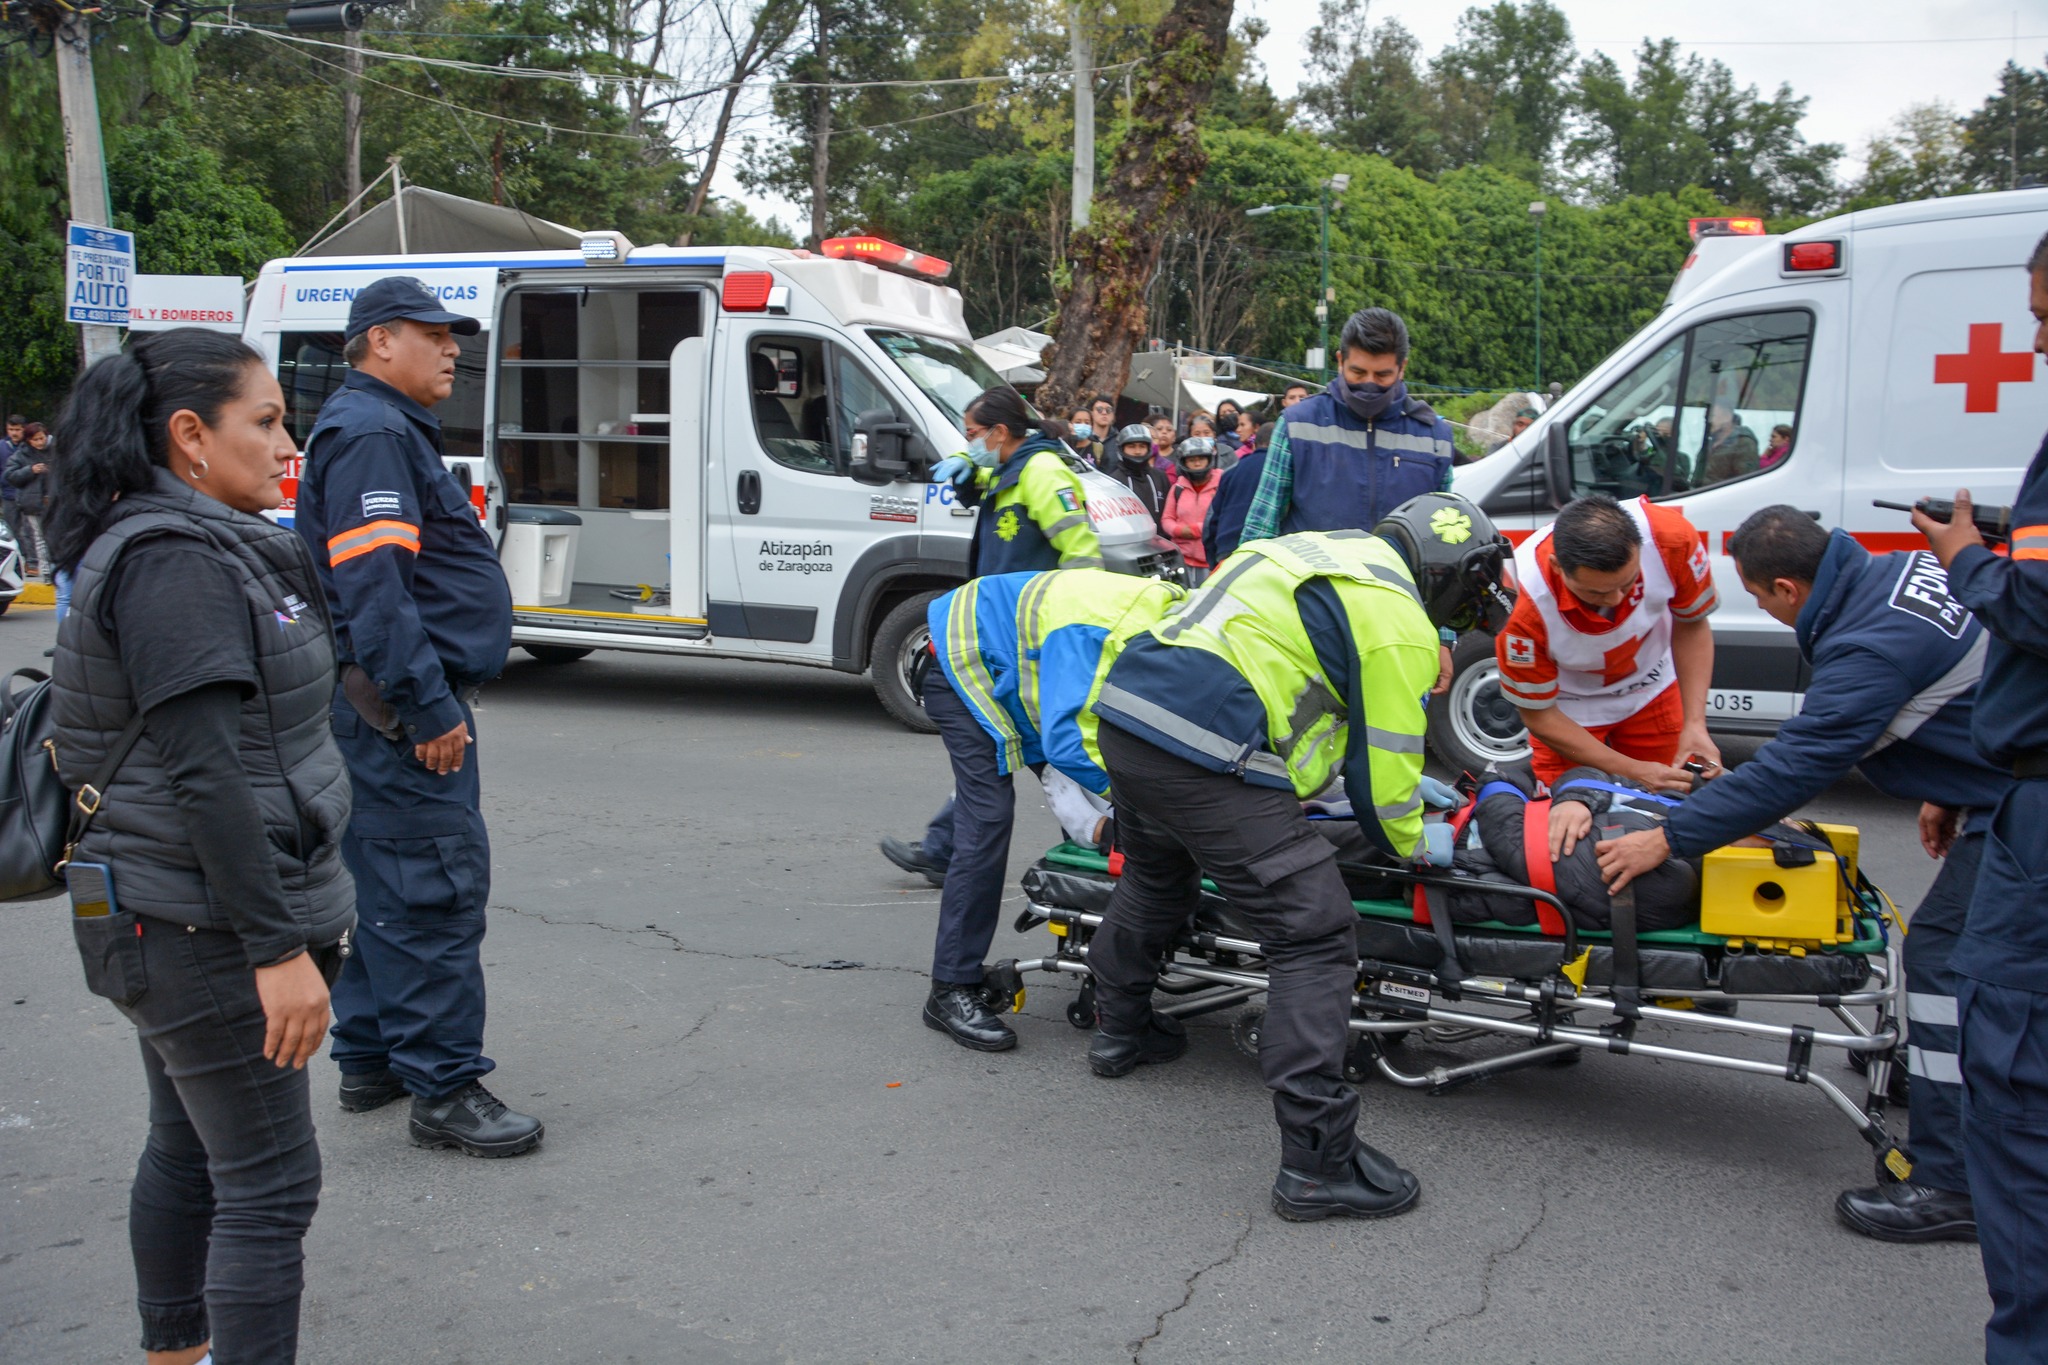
(950, 375)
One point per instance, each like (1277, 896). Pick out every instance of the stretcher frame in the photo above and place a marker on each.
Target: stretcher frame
(1558, 1018)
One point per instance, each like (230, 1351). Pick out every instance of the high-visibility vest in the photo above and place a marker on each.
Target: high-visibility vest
(1034, 515)
(1584, 662)
(1024, 651)
(1247, 616)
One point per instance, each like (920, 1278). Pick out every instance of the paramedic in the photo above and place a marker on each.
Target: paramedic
(1608, 653)
(1895, 664)
(2001, 960)
(1017, 655)
(422, 615)
(1302, 658)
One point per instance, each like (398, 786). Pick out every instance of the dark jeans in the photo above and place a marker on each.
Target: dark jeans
(984, 810)
(1176, 821)
(1936, 1084)
(230, 1176)
(411, 998)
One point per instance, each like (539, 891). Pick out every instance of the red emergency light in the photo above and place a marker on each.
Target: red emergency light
(1724, 227)
(1803, 257)
(746, 291)
(888, 255)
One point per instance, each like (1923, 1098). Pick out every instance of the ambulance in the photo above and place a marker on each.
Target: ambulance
(699, 451)
(1884, 354)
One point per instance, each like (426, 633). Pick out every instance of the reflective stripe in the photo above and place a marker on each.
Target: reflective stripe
(1402, 441)
(1388, 814)
(1030, 638)
(1394, 742)
(1708, 600)
(373, 535)
(1081, 562)
(1342, 436)
(1940, 1067)
(1212, 596)
(2030, 542)
(971, 677)
(1535, 692)
(1930, 699)
(1386, 575)
(1066, 523)
(1931, 1009)
(1187, 732)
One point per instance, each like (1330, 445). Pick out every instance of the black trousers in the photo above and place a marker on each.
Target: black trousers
(1176, 821)
(1935, 1080)
(984, 806)
(230, 1176)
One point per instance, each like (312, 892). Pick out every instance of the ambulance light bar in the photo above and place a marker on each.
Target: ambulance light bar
(887, 255)
(1724, 227)
(605, 248)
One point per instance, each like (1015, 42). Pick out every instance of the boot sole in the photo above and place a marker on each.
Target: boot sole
(937, 879)
(363, 1101)
(938, 1026)
(1316, 1213)
(1944, 1232)
(1112, 1070)
(429, 1138)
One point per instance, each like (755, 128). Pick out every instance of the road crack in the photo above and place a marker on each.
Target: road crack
(1493, 1260)
(1188, 1293)
(676, 943)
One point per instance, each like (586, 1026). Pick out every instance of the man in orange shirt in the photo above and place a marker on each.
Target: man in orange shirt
(1608, 654)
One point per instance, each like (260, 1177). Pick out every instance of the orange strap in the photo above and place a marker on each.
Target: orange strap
(1536, 853)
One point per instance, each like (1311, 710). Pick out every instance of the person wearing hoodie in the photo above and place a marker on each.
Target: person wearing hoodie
(1133, 467)
(1187, 503)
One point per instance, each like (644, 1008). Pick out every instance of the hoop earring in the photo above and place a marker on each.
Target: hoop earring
(199, 468)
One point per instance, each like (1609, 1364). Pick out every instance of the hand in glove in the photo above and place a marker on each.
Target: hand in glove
(1438, 795)
(954, 469)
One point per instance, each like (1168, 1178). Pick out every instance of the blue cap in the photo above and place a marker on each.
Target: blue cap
(402, 296)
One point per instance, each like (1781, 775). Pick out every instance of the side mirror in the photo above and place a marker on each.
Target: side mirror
(1557, 465)
(885, 448)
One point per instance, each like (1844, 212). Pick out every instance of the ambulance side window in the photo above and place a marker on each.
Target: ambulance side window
(854, 391)
(792, 413)
(1718, 402)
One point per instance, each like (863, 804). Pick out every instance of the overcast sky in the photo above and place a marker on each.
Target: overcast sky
(1857, 63)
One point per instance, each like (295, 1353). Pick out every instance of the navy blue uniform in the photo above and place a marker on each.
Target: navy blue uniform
(2002, 958)
(1224, 530)
(420, 603)
(1896, 662)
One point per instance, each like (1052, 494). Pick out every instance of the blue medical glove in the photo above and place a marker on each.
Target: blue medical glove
(1438, 795)
(1438, 844)
(954, 469)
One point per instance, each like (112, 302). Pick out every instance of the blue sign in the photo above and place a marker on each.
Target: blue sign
(99, 269)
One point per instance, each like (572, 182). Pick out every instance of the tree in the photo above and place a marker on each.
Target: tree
(1371, 94)
(1512, 64)
(1921, 156)
(1158, 160)
(2006, 140)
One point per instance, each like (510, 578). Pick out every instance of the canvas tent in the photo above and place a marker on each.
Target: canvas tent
(1154, 383)
(1013, 354)
(433, 223)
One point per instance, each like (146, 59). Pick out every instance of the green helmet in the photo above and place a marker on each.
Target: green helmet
(1457, 557)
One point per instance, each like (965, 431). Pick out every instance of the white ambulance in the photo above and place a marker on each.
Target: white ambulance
(702, 451)
(1883, 354)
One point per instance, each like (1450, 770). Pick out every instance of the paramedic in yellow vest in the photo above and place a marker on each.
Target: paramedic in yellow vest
(1034, 512)
(1303, 657)
(1608, 654)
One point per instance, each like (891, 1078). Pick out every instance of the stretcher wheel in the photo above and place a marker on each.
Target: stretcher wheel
(1003, 984)
(1081, 1009)
(1245, 1029)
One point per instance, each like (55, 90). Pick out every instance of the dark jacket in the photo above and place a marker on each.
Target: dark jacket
(1147, 483)
(1349, 472)
(1225, 527)
(287, 750)
(1896, 662)
(33, 489)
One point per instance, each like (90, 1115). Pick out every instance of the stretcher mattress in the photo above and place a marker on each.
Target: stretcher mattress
(1075, 878)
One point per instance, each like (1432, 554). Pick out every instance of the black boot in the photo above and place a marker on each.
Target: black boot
(1371, 1186)
(913, 859)
(963, 1012)
(1909, 1213)
(476, 1121)
(370, 1090)
(1164, 1039)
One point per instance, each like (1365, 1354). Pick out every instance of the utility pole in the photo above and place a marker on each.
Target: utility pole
(821, 127)
(1537, 208)
(1081, 51)
(84, 160)
(352, 119)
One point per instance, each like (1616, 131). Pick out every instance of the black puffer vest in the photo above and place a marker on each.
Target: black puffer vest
(287, 747)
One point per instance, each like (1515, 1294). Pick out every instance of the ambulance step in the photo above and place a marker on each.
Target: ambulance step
(611, 622)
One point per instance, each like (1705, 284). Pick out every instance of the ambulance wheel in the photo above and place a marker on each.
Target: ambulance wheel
(901, 637)
(1474, 725)
(556, 654)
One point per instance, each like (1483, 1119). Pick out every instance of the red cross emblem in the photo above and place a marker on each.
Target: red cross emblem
(1620, 661)
(1982, 368)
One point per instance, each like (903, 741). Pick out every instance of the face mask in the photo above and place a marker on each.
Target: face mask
(1137, 454)
(983, 455)
(1197, 477)
(1083, 432)
(1366, 401)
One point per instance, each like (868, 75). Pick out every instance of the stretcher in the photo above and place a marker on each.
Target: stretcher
(1556, 990)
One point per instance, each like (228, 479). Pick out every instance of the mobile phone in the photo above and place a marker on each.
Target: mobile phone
(92, 890)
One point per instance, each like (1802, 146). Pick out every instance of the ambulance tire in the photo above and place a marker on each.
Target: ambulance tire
(902, 635)
(1474, 726)
(556, 654)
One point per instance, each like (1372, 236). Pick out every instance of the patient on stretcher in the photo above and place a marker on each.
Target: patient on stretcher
(1494, 843)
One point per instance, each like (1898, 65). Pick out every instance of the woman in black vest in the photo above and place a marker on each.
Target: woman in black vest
(219, 832)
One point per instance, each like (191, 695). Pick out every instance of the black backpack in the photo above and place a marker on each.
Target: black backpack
(39, 816)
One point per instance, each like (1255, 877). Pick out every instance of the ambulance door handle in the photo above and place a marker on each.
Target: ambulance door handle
(749, 492)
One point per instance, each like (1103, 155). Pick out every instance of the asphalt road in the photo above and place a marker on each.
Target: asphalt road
(751, 1157)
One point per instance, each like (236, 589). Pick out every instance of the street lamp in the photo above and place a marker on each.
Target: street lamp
(1537, 208)
(1335, 185)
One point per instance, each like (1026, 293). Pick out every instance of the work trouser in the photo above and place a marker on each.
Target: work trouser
(411, 997)
(984, 805)
(2004, 1062)
(1936, 1084)
(1176, 821)
(938, 835)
